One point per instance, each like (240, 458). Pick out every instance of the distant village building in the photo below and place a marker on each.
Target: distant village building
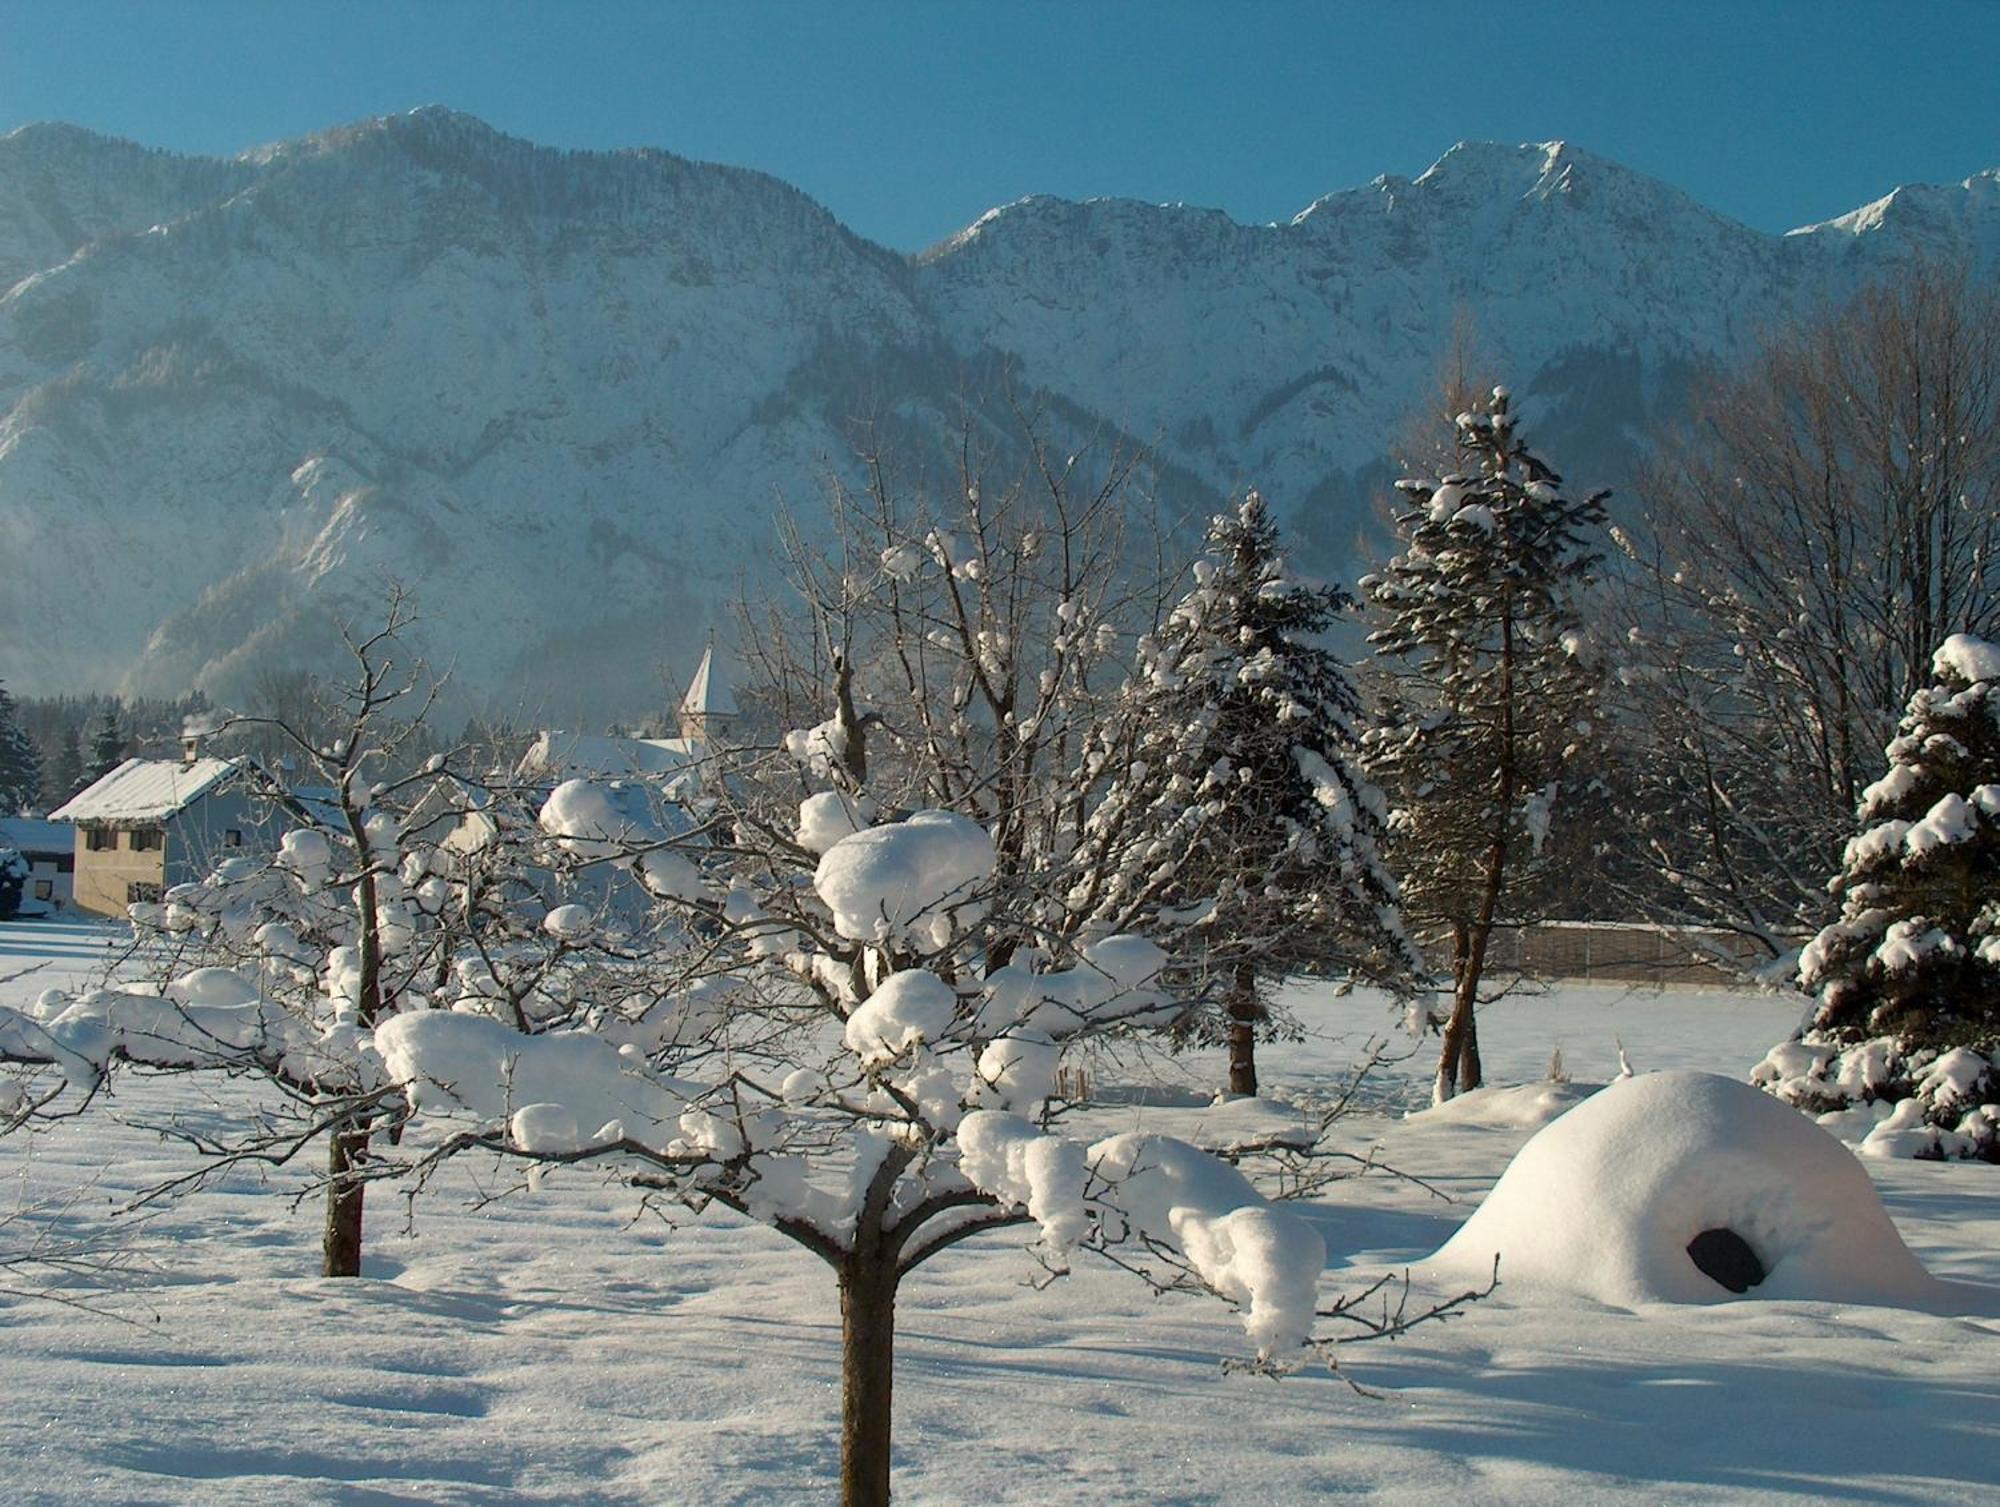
(708, 710)
(708, 715)
(151, 824)
(555, 756)
(50, 850)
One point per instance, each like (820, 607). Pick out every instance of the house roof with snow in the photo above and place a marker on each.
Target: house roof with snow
(24, 834)
(318, 804)
(145, 790)
(561, 755)
(709, 694)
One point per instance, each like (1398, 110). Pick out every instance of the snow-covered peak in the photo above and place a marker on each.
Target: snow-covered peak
(63, 188)
(1477, 187)
(1493, 175)
(54, 138)
(1472, 170)
(1954, 220)
(1109, 223)
(427, 123)
(1491, 164)
(423, 119)
(1491, 169)
(978, 227)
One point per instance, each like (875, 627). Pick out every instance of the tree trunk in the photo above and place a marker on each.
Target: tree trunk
(341, 1246)
(867, 1379)
(1243, 1017)
(1458, 1064)
(346, 1150)
(1470, 1074)
(1459, 1022)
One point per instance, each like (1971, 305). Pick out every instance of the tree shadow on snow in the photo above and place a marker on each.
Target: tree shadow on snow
(1820, 1428)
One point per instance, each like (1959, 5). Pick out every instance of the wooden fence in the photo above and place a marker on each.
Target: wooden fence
(1623, 952)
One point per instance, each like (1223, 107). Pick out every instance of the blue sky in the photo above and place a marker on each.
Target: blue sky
(907, 120)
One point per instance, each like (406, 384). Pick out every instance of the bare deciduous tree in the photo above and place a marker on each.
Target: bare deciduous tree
(1828, 518)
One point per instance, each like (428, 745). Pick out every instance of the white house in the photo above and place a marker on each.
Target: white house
(151, 824)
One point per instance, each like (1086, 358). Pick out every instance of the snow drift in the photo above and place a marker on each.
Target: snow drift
(1605, 1202)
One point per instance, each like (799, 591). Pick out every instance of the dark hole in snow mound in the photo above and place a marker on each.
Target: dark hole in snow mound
(1725, 1257)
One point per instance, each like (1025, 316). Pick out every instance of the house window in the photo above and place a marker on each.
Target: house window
(45, 889)
(100, 839)
(233, 838)
(142, 894)
(148, 840)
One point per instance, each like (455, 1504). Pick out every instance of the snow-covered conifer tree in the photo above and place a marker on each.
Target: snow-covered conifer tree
(107, 744)
(1907, 981)
(64, 776)
(20, 761)
(1491, 736)
(13, 877)
(1246, 747)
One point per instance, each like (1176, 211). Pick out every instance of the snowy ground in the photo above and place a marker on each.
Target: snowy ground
(547, 1349)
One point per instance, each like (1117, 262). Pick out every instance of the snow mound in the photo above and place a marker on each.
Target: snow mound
(1605, 1202)
(1519, 1106)
(1236, 1125)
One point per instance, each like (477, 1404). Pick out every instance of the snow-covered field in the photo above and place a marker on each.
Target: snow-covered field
(548, 1347)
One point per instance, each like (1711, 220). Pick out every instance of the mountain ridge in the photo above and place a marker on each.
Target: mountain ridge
(549, 387)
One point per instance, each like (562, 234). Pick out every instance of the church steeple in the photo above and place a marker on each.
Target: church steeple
(709, 707)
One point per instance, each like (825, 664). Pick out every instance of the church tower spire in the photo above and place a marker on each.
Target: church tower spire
(708, 710)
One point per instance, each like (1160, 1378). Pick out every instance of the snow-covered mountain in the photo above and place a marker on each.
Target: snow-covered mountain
(560, 393)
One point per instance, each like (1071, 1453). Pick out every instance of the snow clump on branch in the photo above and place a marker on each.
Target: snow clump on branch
(912, 882)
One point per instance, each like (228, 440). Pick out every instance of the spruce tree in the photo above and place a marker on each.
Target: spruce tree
(1907, 981)
(64, 774)
(1491, 746)
(13, 881)
(1251, 723)
(20, 761)
(107, 744)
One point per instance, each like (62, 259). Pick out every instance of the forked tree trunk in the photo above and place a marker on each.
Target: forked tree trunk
(867, 1379)
(1244, 1014)
(1458, 1064)
(341, 1246)
(1459, 1068)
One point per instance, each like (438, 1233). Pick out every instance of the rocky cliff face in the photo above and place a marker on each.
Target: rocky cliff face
(559, 394)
